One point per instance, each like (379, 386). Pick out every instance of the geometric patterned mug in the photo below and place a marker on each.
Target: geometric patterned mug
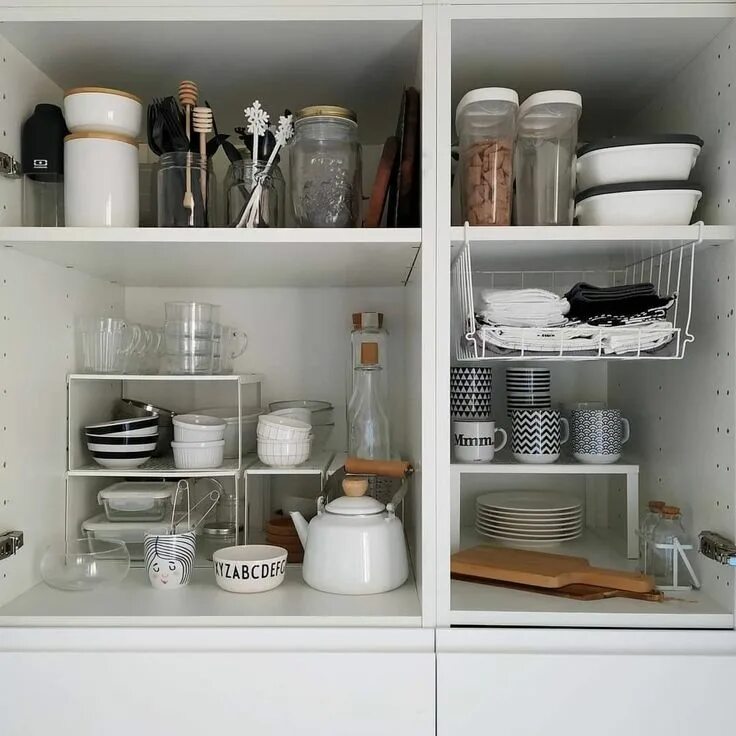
(598, 435)
(470, 393)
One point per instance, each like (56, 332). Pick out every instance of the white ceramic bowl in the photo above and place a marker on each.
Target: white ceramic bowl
(321, 411)
(198, 455)
(123, 449)
(198, 428)
(248, 425)
(284, 453)
(250, 568)
(103, 110)
(659, 158)
(656, 203)
(272, 427)
(121, 461)
(303, 415)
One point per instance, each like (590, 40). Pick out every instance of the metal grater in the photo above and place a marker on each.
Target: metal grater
(717, 548)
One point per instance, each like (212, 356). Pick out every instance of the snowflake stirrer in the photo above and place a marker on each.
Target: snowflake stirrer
(284, 131)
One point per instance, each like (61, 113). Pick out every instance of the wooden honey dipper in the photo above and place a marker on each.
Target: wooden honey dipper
(188, 95)
(202, 122)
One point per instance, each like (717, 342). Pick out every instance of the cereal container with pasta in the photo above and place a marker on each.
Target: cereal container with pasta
(486, 125)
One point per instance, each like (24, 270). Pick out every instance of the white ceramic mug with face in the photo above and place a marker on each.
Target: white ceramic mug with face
(169, 558)
(475, 442)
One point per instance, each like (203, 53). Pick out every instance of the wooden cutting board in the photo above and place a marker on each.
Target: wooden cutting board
(543, 570)
(573, 592)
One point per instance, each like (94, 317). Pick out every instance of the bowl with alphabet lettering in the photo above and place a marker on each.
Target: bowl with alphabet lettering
(250, 568)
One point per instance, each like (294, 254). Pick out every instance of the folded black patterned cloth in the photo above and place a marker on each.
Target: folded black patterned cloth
(588, 302)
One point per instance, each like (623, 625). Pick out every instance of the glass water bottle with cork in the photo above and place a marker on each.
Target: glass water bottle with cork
(368, 424)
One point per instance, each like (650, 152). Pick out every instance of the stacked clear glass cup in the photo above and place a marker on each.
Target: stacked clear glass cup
(189, 336)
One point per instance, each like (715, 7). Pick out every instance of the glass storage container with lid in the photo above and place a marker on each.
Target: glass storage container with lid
(651, 520)
(326, 167)
(547, 137)
(137, 501)
(215, 536)
(486, 125)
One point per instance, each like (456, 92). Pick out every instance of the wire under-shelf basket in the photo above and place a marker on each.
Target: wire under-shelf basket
(671, 272)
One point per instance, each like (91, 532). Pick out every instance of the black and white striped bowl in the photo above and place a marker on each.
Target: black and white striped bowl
(126, 427)
(122, 460)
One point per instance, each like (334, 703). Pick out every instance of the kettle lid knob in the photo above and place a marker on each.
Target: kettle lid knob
(355, 486)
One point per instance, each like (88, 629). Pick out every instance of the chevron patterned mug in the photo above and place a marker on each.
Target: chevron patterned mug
(537, 434)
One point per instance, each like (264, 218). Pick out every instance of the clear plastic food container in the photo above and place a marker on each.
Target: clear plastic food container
(545, 158)
(486, 125)
(144, 501)
(130, 532)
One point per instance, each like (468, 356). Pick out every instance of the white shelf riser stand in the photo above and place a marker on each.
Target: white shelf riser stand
(596, 496)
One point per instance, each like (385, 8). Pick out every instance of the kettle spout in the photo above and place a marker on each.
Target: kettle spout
(302, 528)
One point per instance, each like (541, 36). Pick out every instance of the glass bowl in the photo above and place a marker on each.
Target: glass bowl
(85, 564)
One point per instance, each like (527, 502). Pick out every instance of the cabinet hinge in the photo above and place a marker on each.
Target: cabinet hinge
(717, 548)
(10, 543)
(9, 166)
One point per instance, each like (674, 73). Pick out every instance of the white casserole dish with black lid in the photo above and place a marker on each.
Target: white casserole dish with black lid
(669, 157)
(640, 203)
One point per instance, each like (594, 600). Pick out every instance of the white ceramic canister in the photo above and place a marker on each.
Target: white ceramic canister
(100, 180)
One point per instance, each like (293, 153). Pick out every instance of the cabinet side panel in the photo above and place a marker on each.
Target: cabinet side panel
(38, 304)
(682, 412)
(22, 86)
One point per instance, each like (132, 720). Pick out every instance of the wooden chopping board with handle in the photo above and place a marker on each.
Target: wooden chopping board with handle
(543, 570)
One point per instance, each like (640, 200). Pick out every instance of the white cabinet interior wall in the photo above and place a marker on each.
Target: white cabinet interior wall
(641, 68)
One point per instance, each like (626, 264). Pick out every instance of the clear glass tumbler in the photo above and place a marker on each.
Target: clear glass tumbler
(105, 343)
(239, 183)
(189, 337)
(185, 177)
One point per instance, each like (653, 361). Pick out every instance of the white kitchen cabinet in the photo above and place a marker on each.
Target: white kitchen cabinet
(271, 663)
(270, 681)
(576, 682)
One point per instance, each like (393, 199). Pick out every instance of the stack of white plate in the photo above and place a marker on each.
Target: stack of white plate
(529, 518)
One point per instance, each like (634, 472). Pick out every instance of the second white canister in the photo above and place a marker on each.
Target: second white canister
(100, 180)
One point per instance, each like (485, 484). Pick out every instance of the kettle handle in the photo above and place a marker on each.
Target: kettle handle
(386, 468)
(398, 497)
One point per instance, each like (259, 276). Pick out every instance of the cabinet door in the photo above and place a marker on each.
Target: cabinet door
(518, 694)
(190, 693)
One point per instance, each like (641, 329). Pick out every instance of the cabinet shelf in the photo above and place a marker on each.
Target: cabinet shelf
(135, 603)
(578, 248)
(474, 604)
(226, 257)
(244, 379)
(158, 467)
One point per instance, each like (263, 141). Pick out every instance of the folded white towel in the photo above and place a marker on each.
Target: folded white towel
(524, 308)
(517, 296)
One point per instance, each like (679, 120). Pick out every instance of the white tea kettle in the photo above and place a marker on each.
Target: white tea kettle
(355, 545)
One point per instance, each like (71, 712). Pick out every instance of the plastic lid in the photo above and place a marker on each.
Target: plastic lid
(551, 97)
(355, 506)
(486, 94)
(218, 529)
(639, 186)
(128, 489)
(648, 140)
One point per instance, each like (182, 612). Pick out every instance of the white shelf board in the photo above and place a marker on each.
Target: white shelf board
(474, 604)
(242, 378)
(506, 465)
(158, 467)
(226, 257)
(578, 248)
(135, 603)
(318, 464)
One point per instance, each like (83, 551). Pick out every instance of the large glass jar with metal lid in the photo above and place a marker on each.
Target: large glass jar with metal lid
(326, 167)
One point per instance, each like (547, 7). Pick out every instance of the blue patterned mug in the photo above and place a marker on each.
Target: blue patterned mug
(598, 435)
